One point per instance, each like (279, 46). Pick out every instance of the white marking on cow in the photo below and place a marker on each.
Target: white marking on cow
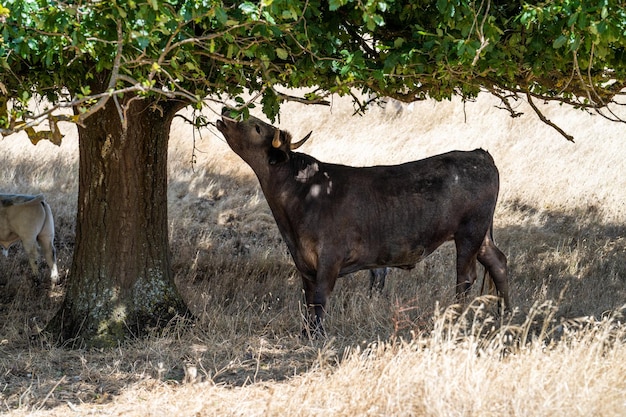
(315, 190)
(329, 187)
(307, 172)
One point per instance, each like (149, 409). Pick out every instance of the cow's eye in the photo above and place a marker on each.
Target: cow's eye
(258, 129)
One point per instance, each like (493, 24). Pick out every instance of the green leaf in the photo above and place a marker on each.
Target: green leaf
(559, 42)
(442, 5)
(605, 12)
(289, 14)
(602, 27)
(221, 16)
(250, 9)
(282, 53)
(271, 104)
(334, 4)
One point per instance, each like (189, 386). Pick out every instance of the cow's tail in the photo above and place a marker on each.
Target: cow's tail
(47, 243)
(48, 225)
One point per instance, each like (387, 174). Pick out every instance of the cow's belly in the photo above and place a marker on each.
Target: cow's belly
(360, 257)
(7, 238)
(395, 240)
(406, 259)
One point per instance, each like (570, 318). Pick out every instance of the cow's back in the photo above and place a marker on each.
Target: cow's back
(417, 196)
(8, 200)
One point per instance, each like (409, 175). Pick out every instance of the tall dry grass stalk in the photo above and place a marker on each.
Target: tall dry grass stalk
(560, 221)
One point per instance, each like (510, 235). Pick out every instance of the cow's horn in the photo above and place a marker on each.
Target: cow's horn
(301, 142)
(276, 141)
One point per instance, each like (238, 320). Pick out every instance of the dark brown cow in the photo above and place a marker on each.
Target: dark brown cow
(338, 219)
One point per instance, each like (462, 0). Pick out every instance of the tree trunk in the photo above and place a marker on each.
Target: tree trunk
(120, 283)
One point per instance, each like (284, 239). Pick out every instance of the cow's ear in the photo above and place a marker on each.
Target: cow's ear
(277, 156)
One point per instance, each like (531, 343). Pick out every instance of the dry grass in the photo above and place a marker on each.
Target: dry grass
(560, 221)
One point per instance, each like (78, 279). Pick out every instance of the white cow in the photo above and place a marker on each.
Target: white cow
(28, 218)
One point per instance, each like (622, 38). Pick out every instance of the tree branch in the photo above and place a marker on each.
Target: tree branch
(302, 100)
(546, 120)
(114, 74)
(504, 98)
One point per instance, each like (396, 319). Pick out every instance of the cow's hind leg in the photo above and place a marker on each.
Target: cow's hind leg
(50, 254)
(468, 244)
(465, 272)
(377, 280)
(494, 262)
(31, 249)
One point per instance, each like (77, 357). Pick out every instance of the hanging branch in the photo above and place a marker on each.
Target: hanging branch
(546, 120)
(504, 98)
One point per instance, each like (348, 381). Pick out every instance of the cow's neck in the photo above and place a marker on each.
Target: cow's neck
(281, 182)
(280, 186)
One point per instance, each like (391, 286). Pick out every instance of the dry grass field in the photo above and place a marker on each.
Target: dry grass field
(560, 220)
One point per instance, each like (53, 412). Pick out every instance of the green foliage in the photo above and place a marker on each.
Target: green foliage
(188, 49)
(591, 33)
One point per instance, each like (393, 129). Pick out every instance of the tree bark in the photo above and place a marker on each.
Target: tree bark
(120, 283)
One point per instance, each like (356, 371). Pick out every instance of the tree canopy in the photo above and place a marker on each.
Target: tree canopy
(566, 50)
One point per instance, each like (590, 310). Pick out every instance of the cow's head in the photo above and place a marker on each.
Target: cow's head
(256, 141)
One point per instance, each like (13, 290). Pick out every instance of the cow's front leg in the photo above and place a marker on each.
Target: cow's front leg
(316, 292)
(316, 296)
